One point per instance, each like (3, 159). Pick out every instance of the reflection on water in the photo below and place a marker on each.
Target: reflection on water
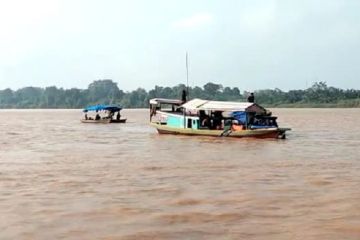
(63, 179)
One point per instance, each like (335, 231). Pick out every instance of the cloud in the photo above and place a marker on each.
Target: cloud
(194, 21)
(259, 18)
(23, 25)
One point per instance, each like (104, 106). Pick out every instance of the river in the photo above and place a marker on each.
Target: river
(61, 179)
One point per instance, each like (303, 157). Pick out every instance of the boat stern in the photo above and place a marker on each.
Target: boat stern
(282, 132)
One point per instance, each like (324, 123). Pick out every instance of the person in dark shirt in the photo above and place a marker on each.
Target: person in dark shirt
(97, 117)
(183, 96)
(251, 98)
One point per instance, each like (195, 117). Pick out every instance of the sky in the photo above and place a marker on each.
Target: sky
(251, 44)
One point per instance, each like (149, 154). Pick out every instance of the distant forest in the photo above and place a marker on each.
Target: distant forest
(108, 92)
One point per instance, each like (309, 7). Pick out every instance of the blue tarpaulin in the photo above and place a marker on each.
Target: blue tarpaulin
(240, 116)
(102, 107)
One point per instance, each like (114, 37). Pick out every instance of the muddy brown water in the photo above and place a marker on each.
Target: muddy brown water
(61, 179)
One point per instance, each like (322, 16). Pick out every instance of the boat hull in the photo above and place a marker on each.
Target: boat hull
(258, 133)
(96, 121)
(118, 121)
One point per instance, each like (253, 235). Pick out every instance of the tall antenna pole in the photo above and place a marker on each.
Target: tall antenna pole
(187, 76)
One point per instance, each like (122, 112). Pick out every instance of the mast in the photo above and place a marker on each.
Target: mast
(187, 87)
(187, 76)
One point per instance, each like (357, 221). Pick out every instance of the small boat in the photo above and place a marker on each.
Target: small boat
(213, 118)
(109, 110)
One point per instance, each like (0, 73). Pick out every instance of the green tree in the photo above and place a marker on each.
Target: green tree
(104, 91)
(7, 98)
(212, 89)
(28, 97)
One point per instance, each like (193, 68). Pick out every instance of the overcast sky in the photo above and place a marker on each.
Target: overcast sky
(140, 43)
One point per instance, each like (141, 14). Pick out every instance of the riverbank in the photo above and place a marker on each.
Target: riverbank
(353, 103)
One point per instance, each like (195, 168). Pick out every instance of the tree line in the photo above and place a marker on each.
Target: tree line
(107, 92)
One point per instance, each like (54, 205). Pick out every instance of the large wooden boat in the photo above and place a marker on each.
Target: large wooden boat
(109, 110)
(213, 118)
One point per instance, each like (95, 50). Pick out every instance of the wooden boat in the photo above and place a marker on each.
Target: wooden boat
(213, 118)
(110, 111)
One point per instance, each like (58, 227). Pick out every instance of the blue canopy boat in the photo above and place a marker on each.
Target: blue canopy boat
(109, 109)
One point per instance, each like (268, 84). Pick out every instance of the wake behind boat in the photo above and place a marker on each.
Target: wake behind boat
(213, 118)
(111, 112)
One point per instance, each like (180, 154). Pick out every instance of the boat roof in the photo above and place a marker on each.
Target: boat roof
(165, 101)
(200, 104)
(100, 107)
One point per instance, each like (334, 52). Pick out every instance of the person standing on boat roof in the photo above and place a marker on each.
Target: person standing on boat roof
(251, 98)
(183, 96)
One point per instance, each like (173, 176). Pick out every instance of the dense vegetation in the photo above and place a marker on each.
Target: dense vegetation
(107, 91)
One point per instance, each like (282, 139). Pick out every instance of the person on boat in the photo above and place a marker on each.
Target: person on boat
(251, 98)
(227, 128)
(205, 122)
(236, 126)
(204, 119)
(183, 96)
(97, 117)
(109, 115)
(118, 116)
(217, 117)
(86, 117)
